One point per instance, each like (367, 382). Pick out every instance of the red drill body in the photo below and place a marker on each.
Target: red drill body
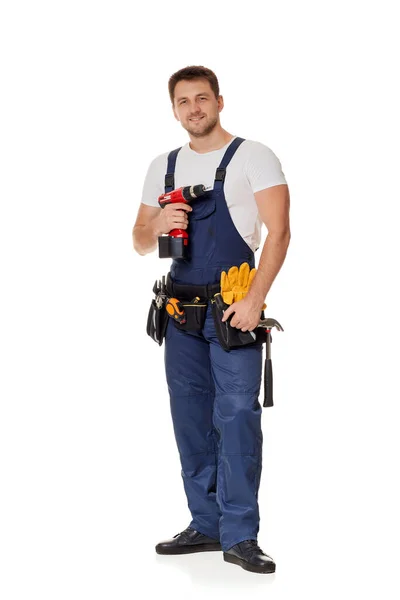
(183, 194)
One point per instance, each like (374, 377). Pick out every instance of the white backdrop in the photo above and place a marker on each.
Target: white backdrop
(90, 476)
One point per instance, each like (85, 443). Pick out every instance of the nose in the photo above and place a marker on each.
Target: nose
(195, 108)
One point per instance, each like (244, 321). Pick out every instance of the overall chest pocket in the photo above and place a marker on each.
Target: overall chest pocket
(201, 230)
(202, 207)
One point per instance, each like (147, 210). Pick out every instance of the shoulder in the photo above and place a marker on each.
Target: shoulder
(256, 150)
(161, 160)
(261, 166)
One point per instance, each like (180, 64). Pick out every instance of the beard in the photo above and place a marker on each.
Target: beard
(207, 128)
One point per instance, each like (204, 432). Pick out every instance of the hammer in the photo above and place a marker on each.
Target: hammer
(267, 325)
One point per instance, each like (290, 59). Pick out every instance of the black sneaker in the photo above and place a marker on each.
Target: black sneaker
(249, 556)
(188, 541)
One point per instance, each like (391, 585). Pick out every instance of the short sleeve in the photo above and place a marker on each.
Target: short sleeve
(263, 168)
(153, 185)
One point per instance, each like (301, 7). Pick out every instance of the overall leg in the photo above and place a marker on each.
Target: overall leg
(191, 390)
(237, 419)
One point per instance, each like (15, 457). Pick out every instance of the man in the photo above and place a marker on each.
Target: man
(213, 393)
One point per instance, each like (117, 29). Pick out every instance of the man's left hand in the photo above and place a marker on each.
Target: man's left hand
(247, 314)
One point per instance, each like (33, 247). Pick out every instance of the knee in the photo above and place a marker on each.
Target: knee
(238, 422)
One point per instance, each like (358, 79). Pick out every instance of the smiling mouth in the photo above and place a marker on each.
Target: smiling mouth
(196, 119)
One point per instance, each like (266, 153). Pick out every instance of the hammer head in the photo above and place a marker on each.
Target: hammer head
(269, 323)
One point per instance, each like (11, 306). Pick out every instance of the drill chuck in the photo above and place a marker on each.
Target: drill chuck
(193, 191)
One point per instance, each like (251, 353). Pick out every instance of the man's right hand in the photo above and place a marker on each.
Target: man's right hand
(172, 216)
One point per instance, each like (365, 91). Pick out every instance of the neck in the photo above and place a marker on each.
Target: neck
(215, 140)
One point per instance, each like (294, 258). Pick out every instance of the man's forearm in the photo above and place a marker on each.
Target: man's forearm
(145, 237)
(271, 260)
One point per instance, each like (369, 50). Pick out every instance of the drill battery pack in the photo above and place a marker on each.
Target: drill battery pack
(170, 247)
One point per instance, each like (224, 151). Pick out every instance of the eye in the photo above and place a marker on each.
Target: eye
(182, 102)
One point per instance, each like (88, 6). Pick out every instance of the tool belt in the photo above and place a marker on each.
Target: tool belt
(193, 302)
(229, 337)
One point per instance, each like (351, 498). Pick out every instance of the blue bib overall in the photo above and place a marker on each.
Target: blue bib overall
(213, 393)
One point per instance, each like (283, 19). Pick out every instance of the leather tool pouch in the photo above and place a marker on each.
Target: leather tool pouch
(157, 322)
(195, 314)
(230, 337)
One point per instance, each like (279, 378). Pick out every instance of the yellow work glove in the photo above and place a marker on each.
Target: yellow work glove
(236, 283)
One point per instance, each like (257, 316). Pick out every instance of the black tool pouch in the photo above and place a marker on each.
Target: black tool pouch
(230, 337)
(195, 314)
(157, 322)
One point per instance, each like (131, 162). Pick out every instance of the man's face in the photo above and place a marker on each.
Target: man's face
(196, 106)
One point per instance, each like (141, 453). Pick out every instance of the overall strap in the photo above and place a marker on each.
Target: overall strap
(226, 159)
(170, 174)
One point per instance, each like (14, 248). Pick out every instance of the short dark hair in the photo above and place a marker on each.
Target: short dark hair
(193, 73)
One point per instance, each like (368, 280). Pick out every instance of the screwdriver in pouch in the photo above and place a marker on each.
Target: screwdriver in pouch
(175, 310)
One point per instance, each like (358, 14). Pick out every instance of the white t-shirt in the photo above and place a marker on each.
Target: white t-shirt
(254, 167)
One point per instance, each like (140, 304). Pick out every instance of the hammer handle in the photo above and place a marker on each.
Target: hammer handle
(268, 380)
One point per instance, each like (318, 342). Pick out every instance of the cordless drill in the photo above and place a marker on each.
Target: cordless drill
(174, 245)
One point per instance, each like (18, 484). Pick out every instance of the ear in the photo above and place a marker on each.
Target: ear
(220, 103)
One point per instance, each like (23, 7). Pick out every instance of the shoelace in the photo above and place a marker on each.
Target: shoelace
(250, 547)
(184, 533)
